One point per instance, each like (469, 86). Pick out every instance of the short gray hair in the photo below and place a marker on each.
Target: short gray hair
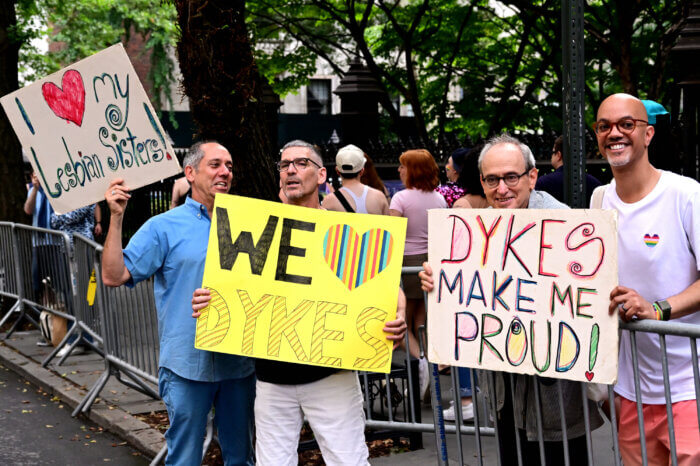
(195, 153)
(506, 138)
(299, 143)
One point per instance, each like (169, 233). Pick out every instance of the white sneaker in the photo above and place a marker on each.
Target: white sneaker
(467, 412)
(76, 351)
(423, 377)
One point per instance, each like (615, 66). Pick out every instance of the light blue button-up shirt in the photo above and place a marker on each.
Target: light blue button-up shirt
(173, 246)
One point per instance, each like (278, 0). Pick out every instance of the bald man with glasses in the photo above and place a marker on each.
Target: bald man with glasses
(659, 276)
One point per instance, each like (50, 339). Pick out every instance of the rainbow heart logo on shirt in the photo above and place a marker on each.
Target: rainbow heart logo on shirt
(356, 259)
(651, 240)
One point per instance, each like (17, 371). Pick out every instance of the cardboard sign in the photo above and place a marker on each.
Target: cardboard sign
(301, 285)
(88, 124)
(524, 291)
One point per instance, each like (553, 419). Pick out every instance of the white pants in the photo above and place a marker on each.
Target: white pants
(334, 408)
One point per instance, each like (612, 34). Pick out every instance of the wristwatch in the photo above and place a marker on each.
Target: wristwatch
(665, 309)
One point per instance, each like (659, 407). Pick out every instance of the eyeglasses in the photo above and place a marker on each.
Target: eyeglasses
(624, 125)
(510, 179)
(300, 164)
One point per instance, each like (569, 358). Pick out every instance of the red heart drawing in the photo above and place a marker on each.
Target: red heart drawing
(589, 376)
(67, 101)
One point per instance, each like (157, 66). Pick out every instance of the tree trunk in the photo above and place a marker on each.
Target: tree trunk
(12, 189)
(223, 85)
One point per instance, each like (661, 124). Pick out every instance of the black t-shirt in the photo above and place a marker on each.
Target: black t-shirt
(287, 373)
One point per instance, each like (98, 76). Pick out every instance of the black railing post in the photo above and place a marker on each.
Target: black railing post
(573, 106)
(686, 53)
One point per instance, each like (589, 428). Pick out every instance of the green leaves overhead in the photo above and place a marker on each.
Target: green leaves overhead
(79, 28)
(461, 65)
(474, 67)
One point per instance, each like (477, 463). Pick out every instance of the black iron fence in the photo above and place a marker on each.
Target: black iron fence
(155, 198)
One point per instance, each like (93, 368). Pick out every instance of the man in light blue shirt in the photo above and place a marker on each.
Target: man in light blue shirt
(172, 247)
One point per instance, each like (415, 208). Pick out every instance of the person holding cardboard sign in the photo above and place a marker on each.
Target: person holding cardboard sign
(508, 176)
(659, 271)
(172, 247)
(330, 398)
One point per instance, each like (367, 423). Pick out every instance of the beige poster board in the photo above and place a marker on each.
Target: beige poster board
(524, 291)
(88, 124)
(301, 285)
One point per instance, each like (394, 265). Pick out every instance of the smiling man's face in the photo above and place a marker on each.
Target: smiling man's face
(502, 160)
(620, 148)
(213, 174)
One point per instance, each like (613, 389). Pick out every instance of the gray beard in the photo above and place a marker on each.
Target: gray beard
(620, 162)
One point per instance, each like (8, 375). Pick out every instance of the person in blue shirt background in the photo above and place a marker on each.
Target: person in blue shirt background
(172, 247)
(43, 248)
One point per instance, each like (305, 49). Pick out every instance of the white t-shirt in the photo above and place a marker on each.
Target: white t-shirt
(656, 240)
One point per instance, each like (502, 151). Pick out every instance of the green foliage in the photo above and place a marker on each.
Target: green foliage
(628, 45)
(283, 59)
(286, 71)
(421, 51)
(84, 27)
(33, 64)
(505, 57)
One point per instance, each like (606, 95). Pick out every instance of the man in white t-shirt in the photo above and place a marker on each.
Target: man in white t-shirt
(659, 276)
(354, 196)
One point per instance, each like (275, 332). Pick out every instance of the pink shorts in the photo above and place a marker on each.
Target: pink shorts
(685, 423)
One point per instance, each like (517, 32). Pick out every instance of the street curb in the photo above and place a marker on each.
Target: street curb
(112, 418)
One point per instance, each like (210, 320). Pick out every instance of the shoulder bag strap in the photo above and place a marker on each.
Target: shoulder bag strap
(597, 196)
(343, 201)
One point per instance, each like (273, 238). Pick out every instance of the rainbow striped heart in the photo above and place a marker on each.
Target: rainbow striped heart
(354, 259)
(651, 240)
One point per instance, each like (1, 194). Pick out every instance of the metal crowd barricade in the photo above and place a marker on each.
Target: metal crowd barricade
(129, 330)
(409, 420)
(605, 446)
(86, 329)
(10, 285)
(87, 307)
(36, 273)
(664, 330)
(393, 401)
(44, 275)
(128, 322)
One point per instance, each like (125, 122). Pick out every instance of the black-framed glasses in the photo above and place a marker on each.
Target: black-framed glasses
(299, 163)
(624, 125)
(510, 179)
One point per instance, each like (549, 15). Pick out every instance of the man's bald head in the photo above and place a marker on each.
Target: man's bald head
(628, 101)
(623, 131)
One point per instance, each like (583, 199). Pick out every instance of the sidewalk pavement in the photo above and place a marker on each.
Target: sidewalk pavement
(118, 405)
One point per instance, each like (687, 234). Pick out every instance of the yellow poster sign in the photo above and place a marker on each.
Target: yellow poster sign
(92, 288)
(301, 285)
